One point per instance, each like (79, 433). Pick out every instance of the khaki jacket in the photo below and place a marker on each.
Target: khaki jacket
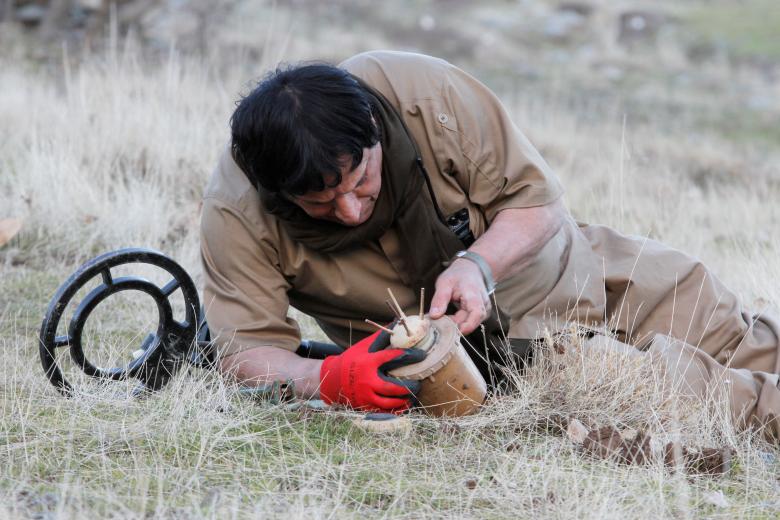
(477, 159)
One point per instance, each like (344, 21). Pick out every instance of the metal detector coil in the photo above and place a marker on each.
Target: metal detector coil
(161, 353)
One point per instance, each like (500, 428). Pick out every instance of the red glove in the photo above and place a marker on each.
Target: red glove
(358, 377)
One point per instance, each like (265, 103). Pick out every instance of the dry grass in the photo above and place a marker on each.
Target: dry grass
(113, 151)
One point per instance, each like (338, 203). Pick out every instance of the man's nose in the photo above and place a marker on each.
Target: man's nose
(348, 208)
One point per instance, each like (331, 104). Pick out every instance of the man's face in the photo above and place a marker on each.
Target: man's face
(352, 201)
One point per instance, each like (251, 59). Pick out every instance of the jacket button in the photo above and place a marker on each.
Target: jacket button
(443, 118)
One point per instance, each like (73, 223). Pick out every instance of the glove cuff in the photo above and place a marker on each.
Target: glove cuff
(330, 379)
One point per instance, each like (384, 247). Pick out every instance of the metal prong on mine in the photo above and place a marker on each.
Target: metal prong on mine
(395, 302)
(400, 313)
(375, 324)
(392, 309)
(402, 321)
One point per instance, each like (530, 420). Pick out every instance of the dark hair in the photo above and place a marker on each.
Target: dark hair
(297, 125)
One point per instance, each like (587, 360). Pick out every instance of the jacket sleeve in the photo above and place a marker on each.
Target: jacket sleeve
(245, 293)
(494, 162)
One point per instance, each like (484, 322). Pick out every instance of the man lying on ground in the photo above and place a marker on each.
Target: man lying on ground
(343, 181)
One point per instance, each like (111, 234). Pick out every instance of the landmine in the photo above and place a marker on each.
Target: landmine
(451, 384)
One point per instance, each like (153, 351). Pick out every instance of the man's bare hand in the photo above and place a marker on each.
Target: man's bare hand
(263, 365)
(462, 284)
(505, 250)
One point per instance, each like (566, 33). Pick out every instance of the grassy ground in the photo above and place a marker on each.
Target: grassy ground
(112, 150)
(201, 449)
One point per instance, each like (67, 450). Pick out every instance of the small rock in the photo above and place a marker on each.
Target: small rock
(576, 431)
(561, 25)
(377, 422)
(9, 227)
(427, 22)
(607, 442)
(636, 26)
(450, 428)
(637, 450)
(704, 461)
(471, 483)
(580, 8)
(712, 461)
(316, 404)
(768, 458)
(603, 442)
(716, 498)
(30, 14)
(539, 501)
(90, 5)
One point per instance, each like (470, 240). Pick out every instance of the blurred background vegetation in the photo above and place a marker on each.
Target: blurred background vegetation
(652, 112)
(707, 65)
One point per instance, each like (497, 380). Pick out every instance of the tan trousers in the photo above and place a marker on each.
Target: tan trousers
(753, 396)
(669, 304)
(655, 298)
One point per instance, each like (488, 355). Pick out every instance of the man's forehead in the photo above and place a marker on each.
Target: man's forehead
(329, 194)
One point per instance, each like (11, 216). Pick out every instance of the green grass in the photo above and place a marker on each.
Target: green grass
(747, 29)
(745, 127)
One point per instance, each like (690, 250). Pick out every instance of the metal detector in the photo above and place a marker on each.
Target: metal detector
(162, 353)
